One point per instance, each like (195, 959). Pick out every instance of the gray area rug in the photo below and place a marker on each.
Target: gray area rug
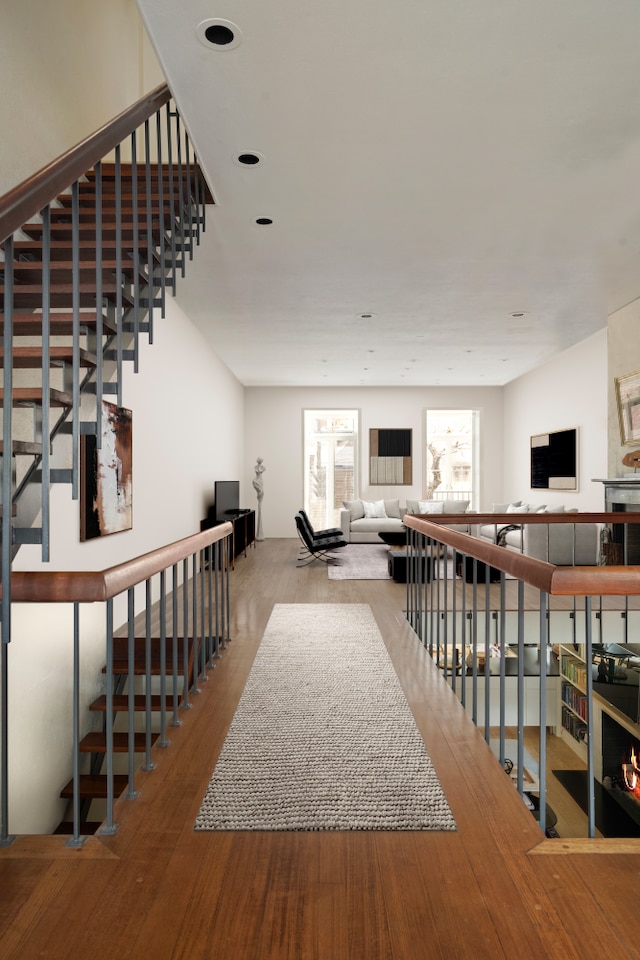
(323, 737)
(361, 561)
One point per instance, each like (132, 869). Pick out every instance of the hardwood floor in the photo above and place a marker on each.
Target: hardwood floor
(493, 889)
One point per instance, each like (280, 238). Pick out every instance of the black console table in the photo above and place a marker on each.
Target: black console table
(244, 531)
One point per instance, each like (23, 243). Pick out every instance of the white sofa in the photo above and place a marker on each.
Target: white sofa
(362, 521)
(563, 544)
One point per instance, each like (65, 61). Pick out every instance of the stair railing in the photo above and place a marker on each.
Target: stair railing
(104, 319)
(199, 618)
(466, 603)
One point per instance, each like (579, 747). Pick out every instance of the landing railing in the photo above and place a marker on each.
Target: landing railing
(187, 617)
(526, 643)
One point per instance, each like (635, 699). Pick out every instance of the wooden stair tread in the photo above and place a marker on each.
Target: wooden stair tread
(31, 357)
(95, 786)
(97, 742)
(121, 703)
(60, 324)
(23, 448)
(57, 398)
(87, 828)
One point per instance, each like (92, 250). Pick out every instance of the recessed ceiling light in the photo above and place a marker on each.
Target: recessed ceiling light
(366, 316)
(249, 158)
(217, 34)
(264, 221)
(518, 314)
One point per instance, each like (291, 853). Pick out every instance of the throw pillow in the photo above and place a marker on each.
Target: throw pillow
(412, 506)
(504, 507)
(431, 506)
(456, 506)
(517, 508)
(393, 509)
(374, 509)
(355, 508)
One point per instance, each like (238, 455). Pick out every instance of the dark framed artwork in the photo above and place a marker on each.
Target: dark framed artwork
(390, 457)
(554, 460)
(628, 399)
(106, 490)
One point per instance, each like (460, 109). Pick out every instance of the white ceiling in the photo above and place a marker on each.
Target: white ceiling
(439, 164)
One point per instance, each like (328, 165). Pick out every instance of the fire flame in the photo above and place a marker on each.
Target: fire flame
(631, 773)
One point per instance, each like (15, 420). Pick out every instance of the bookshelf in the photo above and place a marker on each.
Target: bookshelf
(573, 700)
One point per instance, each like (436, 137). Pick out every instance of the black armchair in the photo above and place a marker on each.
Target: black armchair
(316, 548)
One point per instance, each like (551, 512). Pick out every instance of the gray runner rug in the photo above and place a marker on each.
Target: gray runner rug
(323, 737)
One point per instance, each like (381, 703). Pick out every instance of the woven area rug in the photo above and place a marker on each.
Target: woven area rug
(361, 561)
(323, 737)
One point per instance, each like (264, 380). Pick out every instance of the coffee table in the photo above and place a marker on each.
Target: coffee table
(394, 538)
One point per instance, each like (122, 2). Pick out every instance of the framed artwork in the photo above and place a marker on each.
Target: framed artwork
(554, 460)
(628, 397)
(106, 492)
(390, 457)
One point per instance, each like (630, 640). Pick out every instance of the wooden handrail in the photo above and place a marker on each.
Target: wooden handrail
(558, 581)
(21, 204)
(100, 585)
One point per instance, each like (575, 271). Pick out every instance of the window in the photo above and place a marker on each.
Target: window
(330, 463)
(452, 455)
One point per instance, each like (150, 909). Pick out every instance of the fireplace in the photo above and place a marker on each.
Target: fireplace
(622, 495)
(621, 766)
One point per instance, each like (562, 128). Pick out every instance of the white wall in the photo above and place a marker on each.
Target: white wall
(568, 391)
(624, 358)
(188, 414)
(57, 78)
(274, 431)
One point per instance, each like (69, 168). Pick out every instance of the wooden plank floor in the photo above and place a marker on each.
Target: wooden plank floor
(159, 890)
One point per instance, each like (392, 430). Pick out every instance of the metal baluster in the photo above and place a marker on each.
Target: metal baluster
(542, 761)
(474, 644)
(172, 209)
(148, 764)
(7, 531)
(204, 643)
(454, 614)
(119, 345)
(520, 783)
(214, 642)
(503, 663)
(136, 252)
(161, 235)
(175, 722)
(99, 306)
(590, 766)
(226, 637)
(75, 389)
(198, 645)
(185, 636)
(164, 741)
(150, 290)
(110, 827)
(76, 840)
(45, 464)
(188, 198)
(132, 793)
(181, 194)
(487, 652)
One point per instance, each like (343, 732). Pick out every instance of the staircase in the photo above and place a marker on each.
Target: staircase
(81, 284)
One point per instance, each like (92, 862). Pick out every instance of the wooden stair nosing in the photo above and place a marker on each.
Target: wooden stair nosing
(94, 786)
(33, 395)
(61, 324)
(97, 742)
(30, 358)
(121, 703)
(22, 448)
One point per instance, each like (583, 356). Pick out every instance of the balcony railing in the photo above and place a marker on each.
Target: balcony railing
(523, 642)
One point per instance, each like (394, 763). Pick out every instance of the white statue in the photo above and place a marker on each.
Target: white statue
(258, 486)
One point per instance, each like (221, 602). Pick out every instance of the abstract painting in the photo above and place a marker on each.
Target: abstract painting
(554, 461)
(389, 457)
(106, 493)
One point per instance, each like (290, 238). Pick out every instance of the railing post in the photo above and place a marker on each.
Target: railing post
(76, 840)
(109, 828)
(542, 750)
(132, 793)
(591, 814)
(148, 762)
(7, 528)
